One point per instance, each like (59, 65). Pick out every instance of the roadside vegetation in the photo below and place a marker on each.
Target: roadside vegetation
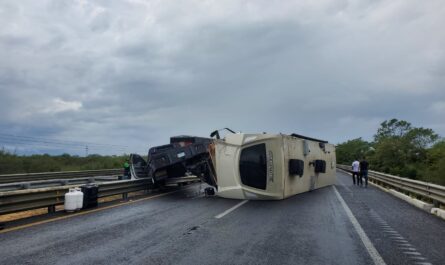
(12, 163)
(400, 149)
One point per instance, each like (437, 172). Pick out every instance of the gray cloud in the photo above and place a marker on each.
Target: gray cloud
(135, 72)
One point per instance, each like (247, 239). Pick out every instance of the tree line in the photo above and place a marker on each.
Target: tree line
(12, 163)
(398, 148)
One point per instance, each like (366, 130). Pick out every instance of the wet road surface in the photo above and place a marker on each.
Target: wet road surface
(187, 228)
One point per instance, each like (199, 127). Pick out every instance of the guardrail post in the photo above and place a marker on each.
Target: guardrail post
(52, 209)
(125, 196)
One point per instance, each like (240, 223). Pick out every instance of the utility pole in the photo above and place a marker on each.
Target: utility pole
(86, 150)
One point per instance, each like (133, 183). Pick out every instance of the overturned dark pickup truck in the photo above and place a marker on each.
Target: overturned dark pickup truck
(185, 155)
(243, 166)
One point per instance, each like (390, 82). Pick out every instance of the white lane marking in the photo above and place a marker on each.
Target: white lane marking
(418, 258)
(411, 253)
(344, 186)
(375, 256)
(404, 244)
(408, 248)
(231, 209)
(423, 263)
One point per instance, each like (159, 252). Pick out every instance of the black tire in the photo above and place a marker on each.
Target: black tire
(209, 191)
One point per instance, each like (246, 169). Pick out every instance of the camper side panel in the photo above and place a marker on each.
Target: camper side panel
(308, 152)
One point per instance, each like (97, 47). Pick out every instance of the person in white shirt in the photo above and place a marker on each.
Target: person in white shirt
(355, 172)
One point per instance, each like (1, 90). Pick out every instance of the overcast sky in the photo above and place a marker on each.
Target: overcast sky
(133, 73)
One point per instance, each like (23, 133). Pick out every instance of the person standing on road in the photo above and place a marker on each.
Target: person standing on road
(364, 170)
(127, 169)
(355, 171)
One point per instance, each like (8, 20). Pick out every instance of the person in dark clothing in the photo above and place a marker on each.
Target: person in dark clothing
(127, 169)
(364, 170)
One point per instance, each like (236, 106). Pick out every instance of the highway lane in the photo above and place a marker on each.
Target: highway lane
(181, 228)
(402, 233)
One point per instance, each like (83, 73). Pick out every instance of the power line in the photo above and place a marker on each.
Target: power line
(47, 140)
(59, 145)
(35, 145)
(24, 141)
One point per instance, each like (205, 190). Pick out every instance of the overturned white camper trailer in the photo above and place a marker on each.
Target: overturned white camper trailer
(243, 166)
(271, 166)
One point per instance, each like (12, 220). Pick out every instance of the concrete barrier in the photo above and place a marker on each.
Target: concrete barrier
(438, 212)
(378, 186)
(418, 203)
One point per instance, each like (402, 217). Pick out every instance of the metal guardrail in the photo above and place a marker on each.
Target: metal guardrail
(53, 183)
(123, 187)
(11, 178)
(16, 201)
(21, 200)
(434, 192)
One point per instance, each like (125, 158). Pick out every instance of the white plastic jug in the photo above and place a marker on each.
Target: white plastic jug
(71, 200)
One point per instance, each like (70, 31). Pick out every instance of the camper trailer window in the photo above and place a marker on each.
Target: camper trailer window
(253, 166)
(320, 166)
(296, 167)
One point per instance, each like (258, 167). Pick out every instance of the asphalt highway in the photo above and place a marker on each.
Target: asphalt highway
(344, 224)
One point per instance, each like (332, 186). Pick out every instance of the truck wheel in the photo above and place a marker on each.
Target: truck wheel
(209, 191)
